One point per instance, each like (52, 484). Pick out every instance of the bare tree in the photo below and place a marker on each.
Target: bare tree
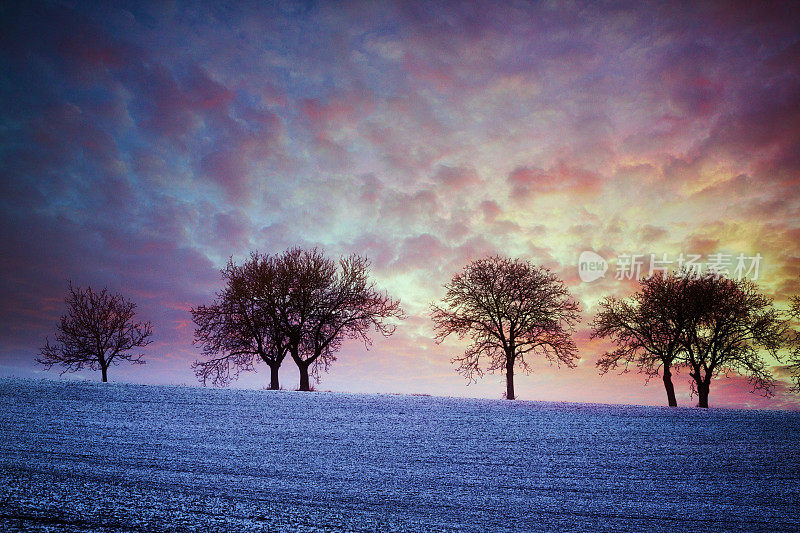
(647, 328)
(326, 304)
(98, 330)
(794, 343)
(240, 326)
(732, 322)
(511, 310)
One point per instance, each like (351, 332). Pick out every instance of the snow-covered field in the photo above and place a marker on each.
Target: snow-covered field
(91, 457)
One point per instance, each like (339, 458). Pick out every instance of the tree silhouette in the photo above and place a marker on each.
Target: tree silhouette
(794, 342)
(731, 322)
(98, 330)
(510, 309)
(647, 328)
(240, 327)
(325, 304)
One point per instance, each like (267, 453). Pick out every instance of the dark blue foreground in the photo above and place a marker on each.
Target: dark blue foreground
(93, 457)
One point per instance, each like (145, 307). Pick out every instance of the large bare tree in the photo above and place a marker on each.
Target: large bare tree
(511, 310)
(327, 303)
(732, 324)
(648, 328)
(97, 331)
(239, 327)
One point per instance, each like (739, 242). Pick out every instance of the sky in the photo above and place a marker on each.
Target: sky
(143, 144)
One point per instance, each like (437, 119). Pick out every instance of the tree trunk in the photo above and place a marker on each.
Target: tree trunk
(702, 393)
(305, 385)
(273, 379)
(105, 373)
(671, 400)
(509, 379)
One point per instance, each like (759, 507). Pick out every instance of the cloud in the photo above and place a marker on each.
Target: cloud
(233, 228)
(650, 234)
(421, 252)
(229, 170)
(148, 269)
(456, 177)
(142, 147)
(689, 75)
(526, 181)
(409, 208)
(490, 209)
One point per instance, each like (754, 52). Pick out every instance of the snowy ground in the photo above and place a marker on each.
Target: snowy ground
(92, 457)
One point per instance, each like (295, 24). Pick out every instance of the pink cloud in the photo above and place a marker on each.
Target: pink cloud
(456, 177)
(380, 250)
(650, 234)
(336, 111)
(689, 77)
(409, 208)
(65, 130)
(420, 252)
(490, 209)
(229, 170)
(233, 228)
(525, 181)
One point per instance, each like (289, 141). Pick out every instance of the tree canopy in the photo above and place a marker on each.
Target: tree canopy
(299, 303)
(710, 324)
(240, 326)
(326, 303)
(731, 324)
(512, 311)
(97, 331)
(648, 328)
(794, 358)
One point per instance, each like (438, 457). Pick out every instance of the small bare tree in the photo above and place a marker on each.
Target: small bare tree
(240, 326)
(647, 328)
(732, 322)
(511, 310)
(98, 330)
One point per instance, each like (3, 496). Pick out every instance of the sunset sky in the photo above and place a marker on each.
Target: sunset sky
(141, 145)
